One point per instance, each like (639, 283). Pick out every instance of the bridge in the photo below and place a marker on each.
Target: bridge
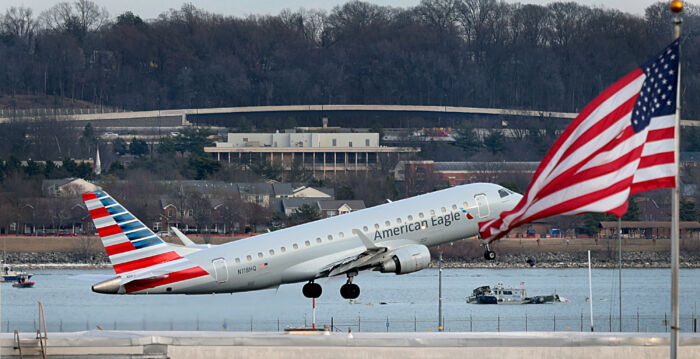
(181, 117)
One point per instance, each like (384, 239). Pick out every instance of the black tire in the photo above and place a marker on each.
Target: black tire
(350, 291)
(490, 255)
(312, 290)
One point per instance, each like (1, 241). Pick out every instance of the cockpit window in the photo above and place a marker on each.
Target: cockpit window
(503, 192)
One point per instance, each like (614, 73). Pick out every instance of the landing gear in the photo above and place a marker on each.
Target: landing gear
(489, 255)
(350, 290)
(312, 290)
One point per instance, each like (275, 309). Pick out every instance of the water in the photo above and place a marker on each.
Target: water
(410, 303)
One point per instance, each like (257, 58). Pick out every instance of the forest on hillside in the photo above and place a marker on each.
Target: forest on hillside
(441, 52)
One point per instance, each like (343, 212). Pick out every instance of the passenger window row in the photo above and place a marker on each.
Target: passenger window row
(341, 235)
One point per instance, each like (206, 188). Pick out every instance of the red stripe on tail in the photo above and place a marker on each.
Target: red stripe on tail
(99, 213)
(119, 248)
(88, 196)
(109, 230)
(145, 262)
(166, 279)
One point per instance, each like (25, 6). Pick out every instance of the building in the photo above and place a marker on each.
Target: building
(421, 176)
(327, 208)
(649, 230)
(321, 153)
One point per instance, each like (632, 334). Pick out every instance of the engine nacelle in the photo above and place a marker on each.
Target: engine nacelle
(407, 259)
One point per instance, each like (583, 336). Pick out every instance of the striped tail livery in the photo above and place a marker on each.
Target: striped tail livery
(143, 262)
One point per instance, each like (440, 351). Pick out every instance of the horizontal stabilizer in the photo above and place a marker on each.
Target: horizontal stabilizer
(183, 238)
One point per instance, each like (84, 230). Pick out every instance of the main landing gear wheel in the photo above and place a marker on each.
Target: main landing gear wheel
(312, 290)
(489, 255)
(350, 291)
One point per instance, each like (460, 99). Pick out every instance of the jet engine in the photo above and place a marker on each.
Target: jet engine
(408, 259)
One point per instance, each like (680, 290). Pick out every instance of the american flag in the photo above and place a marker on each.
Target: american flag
(262, 266)
(622, 143)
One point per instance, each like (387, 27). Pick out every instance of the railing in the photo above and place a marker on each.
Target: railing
(57, 111)
(468, 323)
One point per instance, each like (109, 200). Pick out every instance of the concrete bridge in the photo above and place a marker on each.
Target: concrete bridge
(180, 117)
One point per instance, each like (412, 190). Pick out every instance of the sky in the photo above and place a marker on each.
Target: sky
(149, 9)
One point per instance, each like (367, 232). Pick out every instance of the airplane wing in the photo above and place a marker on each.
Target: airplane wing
(371, 257)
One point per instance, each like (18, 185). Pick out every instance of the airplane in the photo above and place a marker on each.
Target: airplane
(391, 238)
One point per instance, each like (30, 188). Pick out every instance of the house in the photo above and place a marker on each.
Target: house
(327, 208)
(67, 187)
(310, 192)
(648, 229)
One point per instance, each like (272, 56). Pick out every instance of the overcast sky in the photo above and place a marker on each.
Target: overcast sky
(149, 9)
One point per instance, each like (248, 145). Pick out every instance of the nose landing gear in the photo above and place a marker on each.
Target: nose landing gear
(350, 290)
(312, 290)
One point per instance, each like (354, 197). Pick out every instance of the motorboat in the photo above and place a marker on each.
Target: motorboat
(10, 275)
(23, 282)
(507, 295)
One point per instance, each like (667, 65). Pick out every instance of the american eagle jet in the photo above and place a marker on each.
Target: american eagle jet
(390, 238)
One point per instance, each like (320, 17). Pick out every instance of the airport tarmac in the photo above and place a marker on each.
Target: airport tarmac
(195, 345)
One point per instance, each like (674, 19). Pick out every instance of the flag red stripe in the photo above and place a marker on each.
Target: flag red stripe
(99, 213)
(145, 262)
(656, 159)
(119, 248)
(88, 196)
(173, 277)
(661, 134)
(109, 230)
(662, 182)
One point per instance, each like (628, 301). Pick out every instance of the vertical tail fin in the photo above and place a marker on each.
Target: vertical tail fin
(129, 243)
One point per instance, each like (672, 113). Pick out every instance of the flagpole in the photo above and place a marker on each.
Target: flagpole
(676, 7)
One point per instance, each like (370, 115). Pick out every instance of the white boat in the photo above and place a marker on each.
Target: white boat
(508, 295)
(9, 275)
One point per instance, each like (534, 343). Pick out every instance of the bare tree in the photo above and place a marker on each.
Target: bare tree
(19, 22)
(81, 16)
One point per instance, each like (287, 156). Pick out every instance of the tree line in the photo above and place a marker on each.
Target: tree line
(441, 52)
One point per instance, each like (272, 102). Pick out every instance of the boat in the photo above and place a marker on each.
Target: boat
(507, 295)
(23, 282)
(9, 275)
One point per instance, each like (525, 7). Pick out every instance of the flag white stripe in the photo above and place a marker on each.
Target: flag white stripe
(622, 149)
(660, 122)
(605, 204)
(661, 146)
(654, 172)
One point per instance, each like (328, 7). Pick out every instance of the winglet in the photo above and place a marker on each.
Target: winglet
(366, 241)
(183, 238)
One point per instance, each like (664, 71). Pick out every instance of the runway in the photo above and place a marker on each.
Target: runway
(221, 344)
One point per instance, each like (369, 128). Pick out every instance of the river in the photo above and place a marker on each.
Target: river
(387, 302)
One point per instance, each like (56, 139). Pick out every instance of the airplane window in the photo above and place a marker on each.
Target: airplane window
(410, 218)
(330, 237)
(307, 243)
(398, 220)
(465, 205)
(376, 226)
(295, 246)
(238, 260)
(341, 235)
(443, 210)
(260, 255)
(503, 193)
(249, 258)
(318, 240)
(454, 207)
(421, 215)
(432, 213)
(388, 224)
(282, 249)
(272, 252)
(365, 228)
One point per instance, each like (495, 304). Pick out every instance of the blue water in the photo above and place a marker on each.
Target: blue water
(411, 303)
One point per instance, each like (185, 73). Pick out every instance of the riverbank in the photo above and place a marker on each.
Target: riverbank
(87, 252)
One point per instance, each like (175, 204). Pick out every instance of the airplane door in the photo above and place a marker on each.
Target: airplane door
(220, 271)
(483, 205)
